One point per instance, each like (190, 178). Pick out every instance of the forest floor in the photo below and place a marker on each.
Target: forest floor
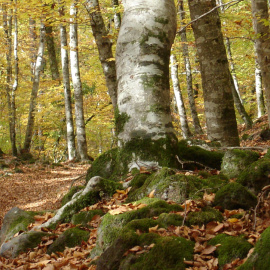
(41, 187)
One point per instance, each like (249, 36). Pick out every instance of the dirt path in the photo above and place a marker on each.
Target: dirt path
(37, 187)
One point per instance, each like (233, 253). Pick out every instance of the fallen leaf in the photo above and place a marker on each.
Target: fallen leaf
(208, 250)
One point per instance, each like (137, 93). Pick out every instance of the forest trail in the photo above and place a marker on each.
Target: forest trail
(36, 186)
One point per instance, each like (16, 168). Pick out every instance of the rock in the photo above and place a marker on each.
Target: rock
(230, 248)
(21, 243)
(84, 217)
(15, 220)
(234, 196)
(256, 176)
(235, 161)
(260, 257)
(70, 238)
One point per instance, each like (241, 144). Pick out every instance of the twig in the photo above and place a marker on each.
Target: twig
(191, 162)
(229, 4)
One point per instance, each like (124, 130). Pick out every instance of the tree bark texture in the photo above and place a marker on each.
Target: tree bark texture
(142, 62)
(259, 90)
(52, 53)
(179, 99)
(262, 44)
(117, 16)
(216, 77)
(67, 92)
(35, 87)
(185, 51)
(77, 85)
(104, 46)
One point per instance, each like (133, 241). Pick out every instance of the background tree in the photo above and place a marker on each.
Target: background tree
(215, 73)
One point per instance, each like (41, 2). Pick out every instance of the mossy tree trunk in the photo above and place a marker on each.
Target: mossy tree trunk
(216, 77)
(142, 62)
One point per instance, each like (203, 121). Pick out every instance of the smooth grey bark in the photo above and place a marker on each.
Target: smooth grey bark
(179, 98)
(142, 62)
(262, 44)
(51, 52)
(33, 37)
(104, 46)
(259, 90)
(67, 92)
(77, 85)
(10, 91)
(216, 77)
(35, 87)
(185, 52)
(117, 16)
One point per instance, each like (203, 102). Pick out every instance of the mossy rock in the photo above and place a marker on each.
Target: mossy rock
(256, 176)
(167, 219)
(86, 216)
(230, 248)
(168, 253)
(204, 216)
(234, 196)
(21, 243)
(116, 163)
(260, 257)
(111, 226)
(211, 159)
(70, 194)
(138, 180)
(70, 238)
(15, 220)
(176, 187)
(236, 160)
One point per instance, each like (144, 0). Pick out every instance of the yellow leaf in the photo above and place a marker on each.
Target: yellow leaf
(152, 194)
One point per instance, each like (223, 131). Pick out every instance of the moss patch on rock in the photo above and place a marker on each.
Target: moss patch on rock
(236, 160)
(70, 194)
(70, 238)
(86, 216)
(260, 257)
(234, 196)
(231, 248)
(256, 176)
(204, 216)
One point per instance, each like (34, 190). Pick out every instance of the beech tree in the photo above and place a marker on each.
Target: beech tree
(262, 44)
(142, 62)
(216, 77)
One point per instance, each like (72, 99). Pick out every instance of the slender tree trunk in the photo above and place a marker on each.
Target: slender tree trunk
(67, 92)
(52, 53)
(104, 46)
(179, 99)
(216, 77)
(142, 61)
(33, 99)
(10, 91)
(259, 90)
(185, 51)
(77, 85)
(117, 16)
(262, 44)
(33, 37)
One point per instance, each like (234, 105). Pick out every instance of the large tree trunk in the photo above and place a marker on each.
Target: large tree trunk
(33, 99)
(185, 51)
(67, 92)
(77, 85)
(10, 91)
(104, 46)
(216, 78)
(262, 44)
(179, 99)
(142, 62)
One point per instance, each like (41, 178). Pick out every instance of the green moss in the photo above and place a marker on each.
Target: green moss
(69, 195)
(260, 258)
(234, 196)
(195, 153)
(138, 181)
(148, 238)
(165, 220)
(70, 238)
(168, 253)
(230, 248)
(256, 176)
(142, 225)
(120, 120)
(161, 20)
(203, 217)
(86, 216)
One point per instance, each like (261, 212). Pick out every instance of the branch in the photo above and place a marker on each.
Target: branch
(229, 4)
(93, 115)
